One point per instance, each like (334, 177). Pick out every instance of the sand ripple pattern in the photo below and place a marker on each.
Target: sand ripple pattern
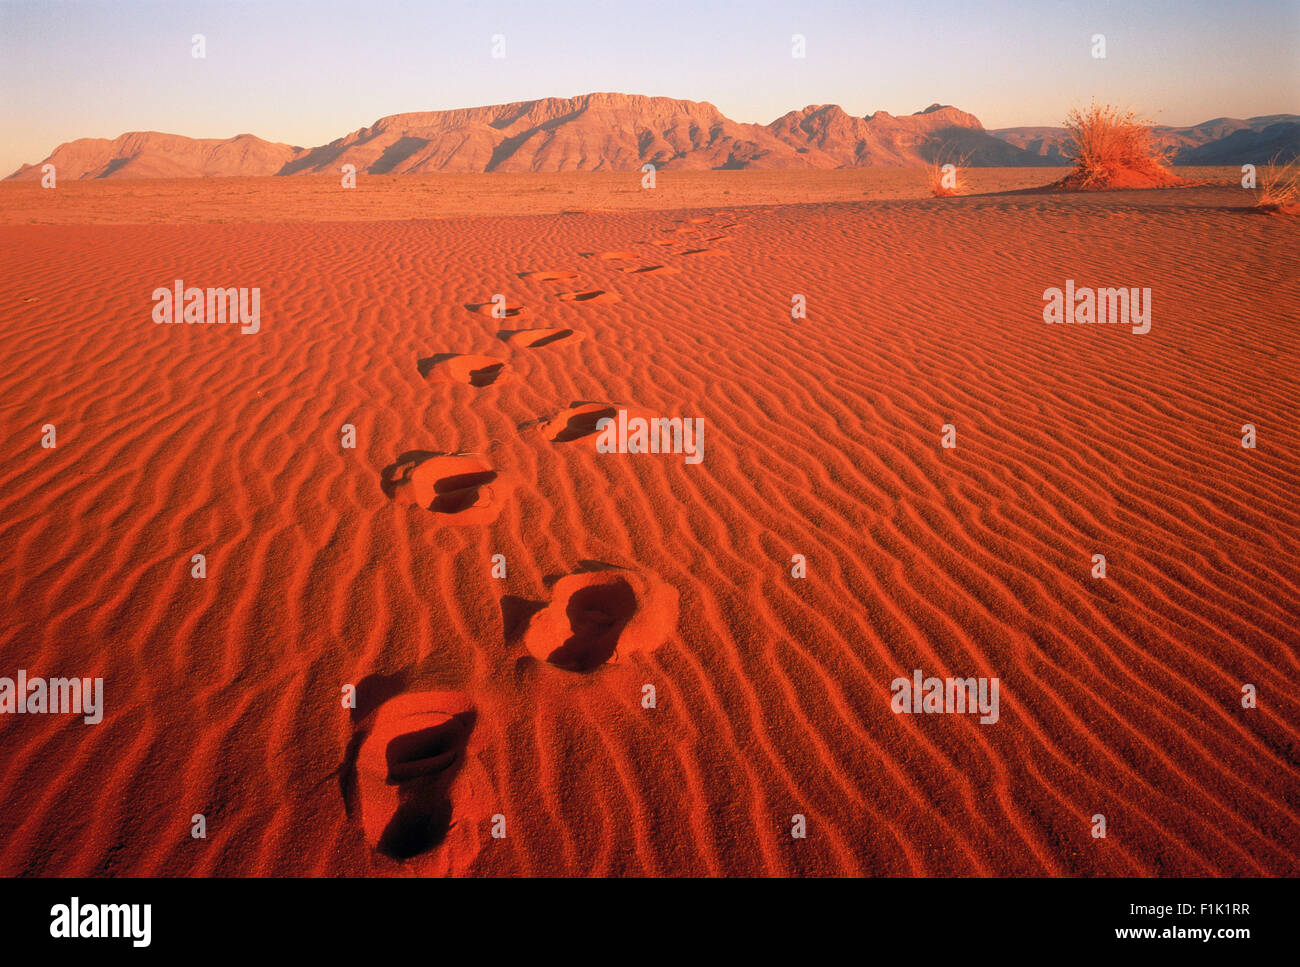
(1118, 696)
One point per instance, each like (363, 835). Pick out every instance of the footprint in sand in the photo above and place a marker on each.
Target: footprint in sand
(706, 251)
(457, 488)
(580, 420)
(608, 256)
(459, 368)
(411, 750)
(537, 338)
(654, 270)
(597, 615)
(555, 276)
(576, 422)
(661, 241)
(495, 309)
(590, 295)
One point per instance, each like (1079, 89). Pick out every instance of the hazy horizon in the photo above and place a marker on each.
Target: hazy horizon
(95, 70)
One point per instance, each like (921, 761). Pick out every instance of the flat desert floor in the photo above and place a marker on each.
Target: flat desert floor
(377, 566)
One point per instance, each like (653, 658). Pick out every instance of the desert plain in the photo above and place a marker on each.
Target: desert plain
(474, 532)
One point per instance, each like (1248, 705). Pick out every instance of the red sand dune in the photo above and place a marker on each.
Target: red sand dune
(1119, 697)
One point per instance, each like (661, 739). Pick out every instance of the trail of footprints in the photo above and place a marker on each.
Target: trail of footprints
(407, 751)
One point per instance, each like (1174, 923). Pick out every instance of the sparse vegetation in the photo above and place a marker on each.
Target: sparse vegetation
(1112, 148)
(945, 184)
(1279, 186)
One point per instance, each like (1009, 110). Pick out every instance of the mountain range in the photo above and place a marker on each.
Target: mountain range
(622, 132)
(1223, 141)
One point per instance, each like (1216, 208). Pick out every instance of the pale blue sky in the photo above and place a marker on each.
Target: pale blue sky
(308, 72)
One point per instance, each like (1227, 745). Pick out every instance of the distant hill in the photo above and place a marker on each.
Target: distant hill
(593, 132)
(149, 154)
(1247, 146)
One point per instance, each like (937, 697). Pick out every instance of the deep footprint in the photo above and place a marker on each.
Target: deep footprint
(556, 276)
(590, 295)
(537, 338)
(412, 751)
(455, 488)
(457, 368)
(598, 615)
(654, 270)
(581, 419)
(578, 421)
(495, 309)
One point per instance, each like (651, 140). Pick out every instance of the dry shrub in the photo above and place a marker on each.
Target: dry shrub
(1279, 186)
(1112, 148)
(934, 173)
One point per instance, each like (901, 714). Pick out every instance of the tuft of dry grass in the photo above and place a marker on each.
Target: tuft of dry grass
(1279, 186)
(935, 176)
(1111, 147)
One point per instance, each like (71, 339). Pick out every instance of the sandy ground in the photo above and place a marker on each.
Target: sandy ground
(374, 566)
(400, 197)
